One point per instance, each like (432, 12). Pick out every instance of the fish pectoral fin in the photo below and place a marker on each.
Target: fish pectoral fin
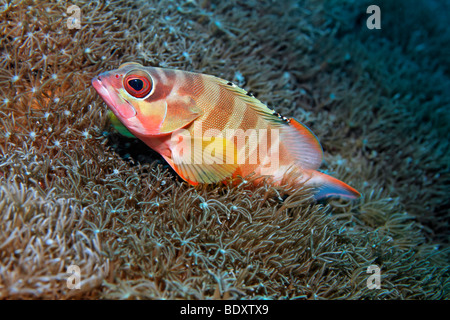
(181, 111)
(198, 160)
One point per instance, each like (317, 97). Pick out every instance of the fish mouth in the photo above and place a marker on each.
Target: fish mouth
(122, 108)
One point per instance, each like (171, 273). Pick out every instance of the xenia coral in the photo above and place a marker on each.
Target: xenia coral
(74, 192)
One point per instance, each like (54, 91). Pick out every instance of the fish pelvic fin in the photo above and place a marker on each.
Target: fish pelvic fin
(119, 125)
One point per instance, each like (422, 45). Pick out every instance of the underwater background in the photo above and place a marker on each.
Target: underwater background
(74, 192)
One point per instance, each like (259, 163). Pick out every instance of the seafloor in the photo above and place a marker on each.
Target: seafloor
(73, 192)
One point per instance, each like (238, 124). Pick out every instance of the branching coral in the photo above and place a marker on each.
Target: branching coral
(72, 192)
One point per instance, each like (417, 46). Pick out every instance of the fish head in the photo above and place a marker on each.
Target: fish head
(144, 99)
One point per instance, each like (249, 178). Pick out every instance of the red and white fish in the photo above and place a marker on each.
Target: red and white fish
(208, 129)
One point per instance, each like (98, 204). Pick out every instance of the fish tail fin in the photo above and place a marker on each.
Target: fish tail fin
(327, 186)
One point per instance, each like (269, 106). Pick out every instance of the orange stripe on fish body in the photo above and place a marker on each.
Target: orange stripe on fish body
(208, 129)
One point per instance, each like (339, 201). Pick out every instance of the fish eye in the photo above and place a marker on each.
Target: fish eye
(138, 83)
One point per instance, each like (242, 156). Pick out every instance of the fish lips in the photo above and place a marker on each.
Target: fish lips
(120, 107)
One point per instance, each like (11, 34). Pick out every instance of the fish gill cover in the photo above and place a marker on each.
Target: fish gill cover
(75, 195)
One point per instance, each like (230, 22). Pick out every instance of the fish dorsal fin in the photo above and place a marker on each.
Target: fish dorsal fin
(259, 107)
(202, 160)
(302, 144)
(299, 139)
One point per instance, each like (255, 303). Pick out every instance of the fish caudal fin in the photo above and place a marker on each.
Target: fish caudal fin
(307, 152)
(327, 186)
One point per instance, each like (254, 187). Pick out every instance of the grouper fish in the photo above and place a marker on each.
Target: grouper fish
(208, 129)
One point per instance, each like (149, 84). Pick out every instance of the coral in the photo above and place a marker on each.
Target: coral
(74, 192)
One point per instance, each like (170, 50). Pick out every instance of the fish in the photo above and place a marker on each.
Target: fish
(210, 130)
